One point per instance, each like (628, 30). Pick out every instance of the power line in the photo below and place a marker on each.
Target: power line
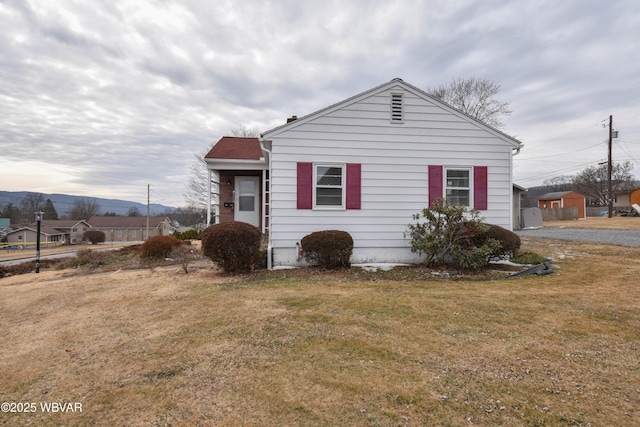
(557, 172)
(562, 154)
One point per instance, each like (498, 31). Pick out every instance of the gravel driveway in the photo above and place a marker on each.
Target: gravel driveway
(613, 237)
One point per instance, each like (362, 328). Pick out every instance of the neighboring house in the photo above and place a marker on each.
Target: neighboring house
(5, 227)
(627, 199)
(365, 165)
(51, 231)
(130, 228)
(564, 199)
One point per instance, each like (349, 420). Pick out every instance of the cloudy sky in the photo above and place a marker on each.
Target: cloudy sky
(101, 98)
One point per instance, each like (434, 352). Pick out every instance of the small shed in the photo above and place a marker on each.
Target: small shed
(634, 197)
(564, 199)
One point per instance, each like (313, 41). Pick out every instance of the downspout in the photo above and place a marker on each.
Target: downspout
(515, 152)
(209, 197)
(269, 248)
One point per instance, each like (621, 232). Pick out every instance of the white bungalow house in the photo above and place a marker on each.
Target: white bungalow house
(365, 165)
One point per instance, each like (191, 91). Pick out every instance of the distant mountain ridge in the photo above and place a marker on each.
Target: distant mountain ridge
(64, 202)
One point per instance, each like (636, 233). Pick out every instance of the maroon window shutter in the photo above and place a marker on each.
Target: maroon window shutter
(305, 185)
(480, 188)
(353, 185)
(435, 183)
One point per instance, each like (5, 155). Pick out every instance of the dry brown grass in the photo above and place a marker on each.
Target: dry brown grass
(615, 223)
(158, 347)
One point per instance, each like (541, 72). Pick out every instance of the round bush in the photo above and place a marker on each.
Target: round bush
(509, 241)
(328, 249)
(158, 246)
(234, 246)
(94, 236)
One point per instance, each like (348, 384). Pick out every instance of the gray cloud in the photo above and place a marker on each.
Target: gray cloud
(123, 93)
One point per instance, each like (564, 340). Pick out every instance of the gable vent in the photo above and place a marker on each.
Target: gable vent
(396, 108)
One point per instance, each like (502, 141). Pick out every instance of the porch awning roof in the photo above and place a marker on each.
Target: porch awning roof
(236, 153)
(230, 147)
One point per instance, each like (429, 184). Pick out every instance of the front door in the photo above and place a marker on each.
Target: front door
(247, 199)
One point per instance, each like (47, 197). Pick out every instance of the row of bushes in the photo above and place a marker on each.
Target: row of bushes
(97, 236)
(445, 234)
(187, 235)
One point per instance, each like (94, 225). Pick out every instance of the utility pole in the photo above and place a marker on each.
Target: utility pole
(609, 168)
(39, 216)
(148, 190)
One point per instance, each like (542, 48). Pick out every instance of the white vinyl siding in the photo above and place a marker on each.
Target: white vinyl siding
(394, 169)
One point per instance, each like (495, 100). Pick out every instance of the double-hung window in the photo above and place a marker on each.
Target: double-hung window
(458, 186)
(329, 185)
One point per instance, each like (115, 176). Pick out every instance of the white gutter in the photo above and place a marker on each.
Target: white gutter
(209, 192)
(269, 248)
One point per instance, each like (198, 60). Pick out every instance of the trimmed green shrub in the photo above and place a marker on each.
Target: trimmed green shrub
(509, 241)
(445, 234)
(234, 246)
(94, 236)
(187, 235)
(328, 249)
(158, 246)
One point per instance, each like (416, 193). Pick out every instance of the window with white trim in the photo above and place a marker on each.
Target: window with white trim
(397, 110)
(328, 185)
(458, 186)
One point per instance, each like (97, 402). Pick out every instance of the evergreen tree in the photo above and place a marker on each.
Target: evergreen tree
(12, 212)
(50, 210)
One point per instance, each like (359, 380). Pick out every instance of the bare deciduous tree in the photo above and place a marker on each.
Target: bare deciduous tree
(188, 215)
(559, 183)
(31, 203)
(593, 181)
(246, 132)
(133, 211)
(198, 187)
(84, 209)
(475, 97)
